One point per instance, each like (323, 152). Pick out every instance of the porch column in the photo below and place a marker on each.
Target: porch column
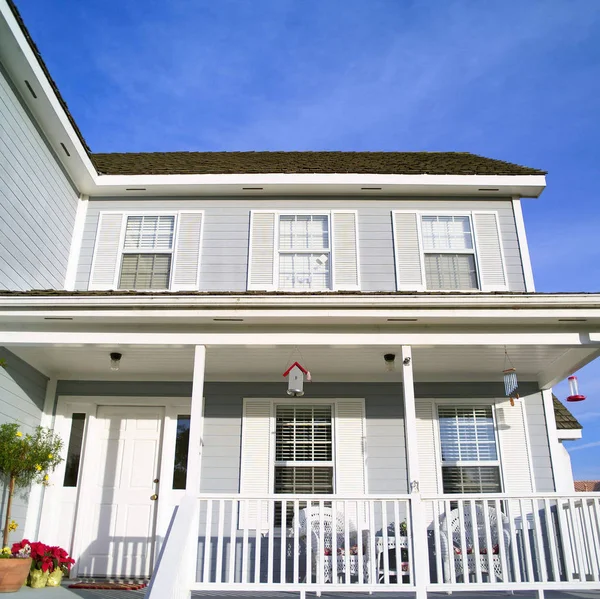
(419, 527)
(196, 421)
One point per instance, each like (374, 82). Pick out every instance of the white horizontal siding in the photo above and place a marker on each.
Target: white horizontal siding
(38, 202)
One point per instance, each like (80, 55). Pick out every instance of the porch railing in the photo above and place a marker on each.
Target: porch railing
(297, 543)
(513, 542)
(357, 543)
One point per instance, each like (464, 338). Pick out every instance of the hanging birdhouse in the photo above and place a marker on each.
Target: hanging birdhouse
(574, 389)
(295, 374)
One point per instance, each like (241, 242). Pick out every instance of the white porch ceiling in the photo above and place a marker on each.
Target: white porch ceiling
(352, 364)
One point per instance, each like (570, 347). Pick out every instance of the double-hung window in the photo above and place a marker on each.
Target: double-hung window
(303, 452)
(304, 252)
(469, 451)
(448, 252)
(303, 449)
(147, 254)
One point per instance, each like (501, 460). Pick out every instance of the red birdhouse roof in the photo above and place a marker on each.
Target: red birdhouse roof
(292, 366)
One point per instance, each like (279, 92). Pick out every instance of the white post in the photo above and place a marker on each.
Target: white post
(38, 493)
(553, 442)
(419, 529)
(196, 422)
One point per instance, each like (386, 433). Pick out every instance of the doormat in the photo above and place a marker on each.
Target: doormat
(108, 585)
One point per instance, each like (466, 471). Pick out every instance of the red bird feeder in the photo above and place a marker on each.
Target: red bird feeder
(574, 388)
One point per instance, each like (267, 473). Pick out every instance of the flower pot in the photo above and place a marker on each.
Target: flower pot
(13, 574)
(38, 579)
(55, 578)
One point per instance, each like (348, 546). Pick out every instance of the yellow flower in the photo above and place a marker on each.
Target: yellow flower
(38, 467)
(6, 551)
(19, 434)
(12, 526)
(50, 456)
(46, 477)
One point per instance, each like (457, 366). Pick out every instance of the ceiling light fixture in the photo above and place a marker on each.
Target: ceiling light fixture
(115, 360)
(390, 360)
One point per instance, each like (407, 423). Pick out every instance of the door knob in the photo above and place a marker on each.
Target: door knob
(155, 480)
(154, 497)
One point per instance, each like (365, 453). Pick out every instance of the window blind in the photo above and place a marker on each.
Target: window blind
(145, 271)
(450, 271)
(469, 451)
(149, 232)
(303, 449)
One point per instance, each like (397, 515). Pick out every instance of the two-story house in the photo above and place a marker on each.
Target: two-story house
(152, 303)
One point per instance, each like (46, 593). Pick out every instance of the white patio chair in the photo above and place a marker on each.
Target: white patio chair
(489, 557)
(332, 552)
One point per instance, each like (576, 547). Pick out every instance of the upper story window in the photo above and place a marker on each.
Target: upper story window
(294, 251)
(304, 252)
(449, 252)
(470, 462)
(147, 253)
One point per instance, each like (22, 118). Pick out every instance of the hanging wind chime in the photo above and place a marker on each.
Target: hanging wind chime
(511, 384)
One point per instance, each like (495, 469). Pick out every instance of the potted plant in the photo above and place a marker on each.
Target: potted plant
(25, 459)
(48, 564)
(14, 568)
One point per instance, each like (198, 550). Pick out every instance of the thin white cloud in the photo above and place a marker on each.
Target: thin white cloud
(584, 446)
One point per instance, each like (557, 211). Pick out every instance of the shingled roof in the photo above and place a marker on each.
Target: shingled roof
(388, 163)
(564, 419)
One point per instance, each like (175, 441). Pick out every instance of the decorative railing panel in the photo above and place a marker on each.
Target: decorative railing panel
(304, 542)
(514, 542)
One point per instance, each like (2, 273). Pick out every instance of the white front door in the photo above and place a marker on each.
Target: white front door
(125, 463)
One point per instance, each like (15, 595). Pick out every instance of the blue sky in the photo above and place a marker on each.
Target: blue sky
(508, 79)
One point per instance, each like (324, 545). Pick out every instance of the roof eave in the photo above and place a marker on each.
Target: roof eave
(320, 184)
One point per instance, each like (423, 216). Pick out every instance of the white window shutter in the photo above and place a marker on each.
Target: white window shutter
(350, 453)
(514, 450)
(106, 252)
(427, 447)
(344, 229)
(186, 259)
(490, 257)
(261, 261)
(255, 464)
(409, 271)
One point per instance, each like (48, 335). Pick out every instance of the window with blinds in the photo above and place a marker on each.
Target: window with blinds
(304, 252)
(147, 253)
(469, 450)
(303, 449)
(449, 252)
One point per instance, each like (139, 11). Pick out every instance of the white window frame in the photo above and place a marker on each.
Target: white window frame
(274, 463)
(123, 251)
(464, 403)
(470, 252)
(278, 251)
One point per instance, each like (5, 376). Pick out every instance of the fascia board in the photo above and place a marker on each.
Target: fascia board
(547, 305)
(321, 183)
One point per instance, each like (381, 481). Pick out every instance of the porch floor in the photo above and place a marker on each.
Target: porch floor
(66, 593)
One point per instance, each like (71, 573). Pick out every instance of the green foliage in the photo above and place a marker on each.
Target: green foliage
(28, 458)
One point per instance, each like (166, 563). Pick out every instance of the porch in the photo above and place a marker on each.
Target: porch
(385, 467)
